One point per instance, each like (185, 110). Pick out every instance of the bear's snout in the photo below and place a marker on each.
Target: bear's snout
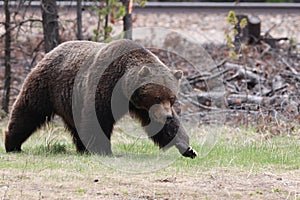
(169, 117)
(161, 112)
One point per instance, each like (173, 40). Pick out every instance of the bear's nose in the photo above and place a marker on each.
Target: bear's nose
(169, 117)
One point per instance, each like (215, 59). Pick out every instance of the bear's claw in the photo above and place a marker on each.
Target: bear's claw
(190, 152)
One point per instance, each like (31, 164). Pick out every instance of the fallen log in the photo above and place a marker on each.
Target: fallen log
(216, 100)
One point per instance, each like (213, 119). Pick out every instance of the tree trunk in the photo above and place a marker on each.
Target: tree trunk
(79, 19)
(127, 19)
(50, 24)
(106, 33)
(7, 59)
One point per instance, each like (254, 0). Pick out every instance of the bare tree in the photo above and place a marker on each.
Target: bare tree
(79, 19)
(7, 59)
(106, 30)
(50, 24)
(127, 19)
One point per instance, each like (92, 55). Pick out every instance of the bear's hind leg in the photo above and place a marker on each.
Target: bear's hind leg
(21, 125)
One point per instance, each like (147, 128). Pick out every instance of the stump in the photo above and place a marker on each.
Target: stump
(254, 25)
(251, 33)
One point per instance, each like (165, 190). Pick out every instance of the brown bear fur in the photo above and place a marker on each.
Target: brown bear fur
(121, 73)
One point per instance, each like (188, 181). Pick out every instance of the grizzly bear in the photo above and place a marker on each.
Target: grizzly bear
(90, 86)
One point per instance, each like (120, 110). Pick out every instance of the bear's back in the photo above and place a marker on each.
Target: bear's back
(71, 55)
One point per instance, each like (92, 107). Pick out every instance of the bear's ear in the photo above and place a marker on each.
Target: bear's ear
(178, 74)
(145, 71)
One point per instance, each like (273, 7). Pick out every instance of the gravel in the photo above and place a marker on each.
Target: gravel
(212, 28)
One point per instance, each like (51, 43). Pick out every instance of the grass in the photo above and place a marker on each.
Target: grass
(276, 153)
(51, 148)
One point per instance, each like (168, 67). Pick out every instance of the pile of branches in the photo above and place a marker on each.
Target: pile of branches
(261, 87)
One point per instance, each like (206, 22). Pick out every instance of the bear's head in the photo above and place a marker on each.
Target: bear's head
(157, 99)
(157, 91)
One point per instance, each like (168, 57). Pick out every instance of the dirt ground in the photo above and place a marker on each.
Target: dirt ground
(218, 183)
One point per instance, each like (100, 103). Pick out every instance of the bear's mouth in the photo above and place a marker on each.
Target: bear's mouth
(155, 115)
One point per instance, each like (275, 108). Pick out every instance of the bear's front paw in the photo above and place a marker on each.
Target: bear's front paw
(190, 152)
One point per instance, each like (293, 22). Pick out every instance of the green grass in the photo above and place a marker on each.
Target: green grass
(278, 152)
(51, 148)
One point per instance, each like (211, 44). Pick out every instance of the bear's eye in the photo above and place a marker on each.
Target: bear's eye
(158, 99)
(172, 100)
